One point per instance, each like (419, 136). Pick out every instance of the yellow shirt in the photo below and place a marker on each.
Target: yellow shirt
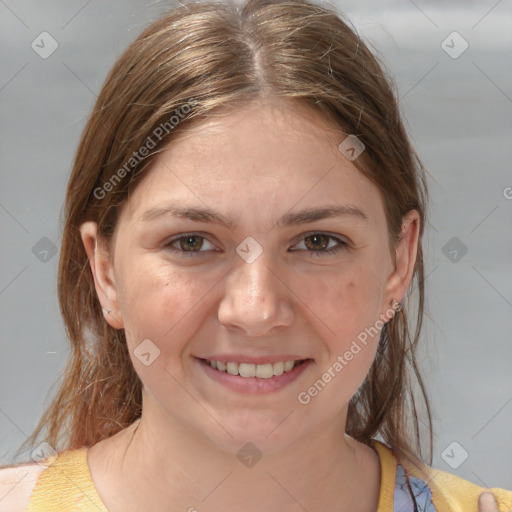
(66, 486)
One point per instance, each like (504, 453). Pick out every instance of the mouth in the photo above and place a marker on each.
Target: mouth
(254, 378)
(260, 371)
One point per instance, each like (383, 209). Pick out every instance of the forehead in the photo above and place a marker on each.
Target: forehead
(268, 156)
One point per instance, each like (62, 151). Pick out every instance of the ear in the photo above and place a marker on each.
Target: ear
(405, 259)
(103, 273)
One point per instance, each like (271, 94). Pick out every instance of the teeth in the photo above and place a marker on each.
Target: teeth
(247, 370)
(232, 368)
(288, 365)
(278, 368)
(262, 371)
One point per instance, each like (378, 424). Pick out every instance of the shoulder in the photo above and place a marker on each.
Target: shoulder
(450, 492)
(16, 485)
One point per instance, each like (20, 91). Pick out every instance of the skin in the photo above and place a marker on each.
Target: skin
(487, 503)
(253, 166)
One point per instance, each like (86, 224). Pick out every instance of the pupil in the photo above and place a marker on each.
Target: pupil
(191, 242)
(318, 241)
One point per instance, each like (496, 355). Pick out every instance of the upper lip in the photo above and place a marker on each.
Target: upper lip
(251, 359)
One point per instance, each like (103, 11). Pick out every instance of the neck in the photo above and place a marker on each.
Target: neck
(164, 466)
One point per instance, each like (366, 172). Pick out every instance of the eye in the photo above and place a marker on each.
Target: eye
(317, 244)
(189, 244)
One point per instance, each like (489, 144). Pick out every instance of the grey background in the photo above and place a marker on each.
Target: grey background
(459, 115)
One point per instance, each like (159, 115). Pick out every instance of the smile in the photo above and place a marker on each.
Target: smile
(261, 371)
(254, 378)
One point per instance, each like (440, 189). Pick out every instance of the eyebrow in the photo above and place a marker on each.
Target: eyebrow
(207, 215)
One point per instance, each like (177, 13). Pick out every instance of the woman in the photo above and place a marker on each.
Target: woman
(243, 226)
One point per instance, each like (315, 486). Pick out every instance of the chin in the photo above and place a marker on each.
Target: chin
(264, 436)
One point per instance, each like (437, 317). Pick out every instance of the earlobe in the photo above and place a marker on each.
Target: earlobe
(405, 258)
(102, 272)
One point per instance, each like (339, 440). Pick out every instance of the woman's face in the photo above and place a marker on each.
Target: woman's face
(256, 277)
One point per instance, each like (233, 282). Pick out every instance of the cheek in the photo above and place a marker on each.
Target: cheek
(349, 306)
(349, 303)
(162, 305)
(159, 304)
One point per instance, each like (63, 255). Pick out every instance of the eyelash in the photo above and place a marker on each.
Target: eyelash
(193, 254)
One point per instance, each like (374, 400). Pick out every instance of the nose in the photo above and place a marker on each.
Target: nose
(256, 299)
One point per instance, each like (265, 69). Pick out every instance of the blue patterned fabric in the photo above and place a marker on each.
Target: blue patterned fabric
(403, 500)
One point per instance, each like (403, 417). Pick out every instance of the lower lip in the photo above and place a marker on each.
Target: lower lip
(254, 384)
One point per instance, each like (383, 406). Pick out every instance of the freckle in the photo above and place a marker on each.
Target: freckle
(351, 284)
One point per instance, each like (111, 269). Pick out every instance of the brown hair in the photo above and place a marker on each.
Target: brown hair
(199, 58)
